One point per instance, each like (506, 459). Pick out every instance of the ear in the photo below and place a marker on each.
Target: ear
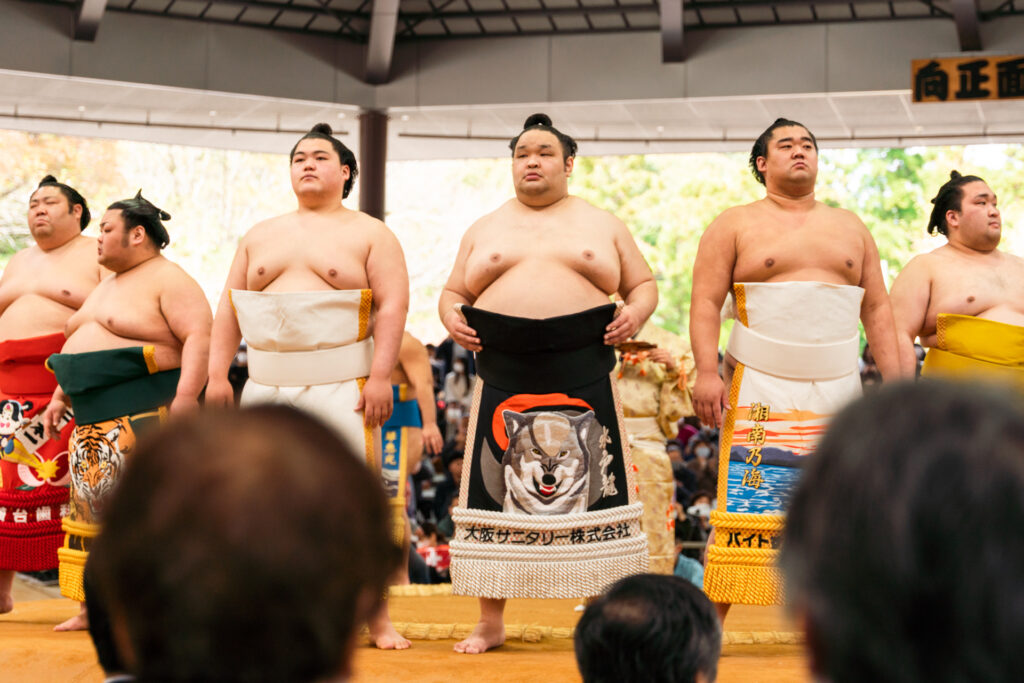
(569, 164)
(513, 422)
(762, 164)
(346, 171)
(137, 235)
(76, 210)
(952, 219)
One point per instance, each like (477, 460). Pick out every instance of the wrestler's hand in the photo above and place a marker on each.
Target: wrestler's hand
(432, 439)
(624, 326)
(709, 398)
(463, 334)
(375, 402)
(183, 405)
(219, 393)
(51, 418)
(663, 356)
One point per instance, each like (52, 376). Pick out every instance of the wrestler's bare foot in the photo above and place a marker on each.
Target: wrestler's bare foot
(79, 622)
(484, 637)
(6, 591)
(383, 633)
(490, 630)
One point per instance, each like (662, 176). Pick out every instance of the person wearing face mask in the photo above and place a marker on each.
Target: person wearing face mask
(700, 463)
(655, 375)
(458, 390)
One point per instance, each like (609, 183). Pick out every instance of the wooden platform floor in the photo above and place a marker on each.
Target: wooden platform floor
(31, 652)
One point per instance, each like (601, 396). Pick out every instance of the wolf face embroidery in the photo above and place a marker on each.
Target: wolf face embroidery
(547, 463)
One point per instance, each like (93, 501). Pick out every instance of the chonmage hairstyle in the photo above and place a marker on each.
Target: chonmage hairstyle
(73, 197)
(543, 122)
(243, 547)
(140, 211)
(760, 148)
(950, 196)
(323, 131)
(902, 542)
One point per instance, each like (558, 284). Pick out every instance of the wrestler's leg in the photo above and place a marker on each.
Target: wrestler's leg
(722, 608)
(79, 622)
(383, 633)
(6, 590)
(402, 575)
(490, 630)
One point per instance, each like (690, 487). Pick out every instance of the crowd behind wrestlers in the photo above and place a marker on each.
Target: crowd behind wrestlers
(915, 446)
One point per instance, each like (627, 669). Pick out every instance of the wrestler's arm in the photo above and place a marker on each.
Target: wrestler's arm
(55, 410)
(876, 312)
(389, 282)
(416, 364)
(455, 292)
(910, 296)
(225, 334)
(712, 278)
(187, 312)
(636, 286)
(12, 268)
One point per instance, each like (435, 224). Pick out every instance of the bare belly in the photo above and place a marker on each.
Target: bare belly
(33, 316)
(528, 294)
(831, 276)
(92, 336)
(1004, 314)
(1001, 313)
(307, 280)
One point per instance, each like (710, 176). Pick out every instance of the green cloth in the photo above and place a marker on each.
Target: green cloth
(103, 385)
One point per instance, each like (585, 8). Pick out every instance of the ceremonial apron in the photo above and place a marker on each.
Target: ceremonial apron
(976, 349)
(312, 351)
(116, 394)
(796, 346)
(34, 475)
(395, 459)
(548, 503)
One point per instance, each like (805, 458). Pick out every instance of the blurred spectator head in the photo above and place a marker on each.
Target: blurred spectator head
(651, 628)
(902, 550)
(454, 465)
(701, 447)
(243, 546)
(699, 504)
(674, 449)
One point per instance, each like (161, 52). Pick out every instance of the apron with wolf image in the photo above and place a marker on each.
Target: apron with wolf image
(548, 506)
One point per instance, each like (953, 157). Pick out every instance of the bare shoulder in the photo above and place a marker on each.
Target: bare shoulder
(21, 258)
(489, 222)
(596, 216)
(374, 227)
(174, 277)
(1014, 261)
(267, 228)
(843, 218)
(734, 218)
(921, 265)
